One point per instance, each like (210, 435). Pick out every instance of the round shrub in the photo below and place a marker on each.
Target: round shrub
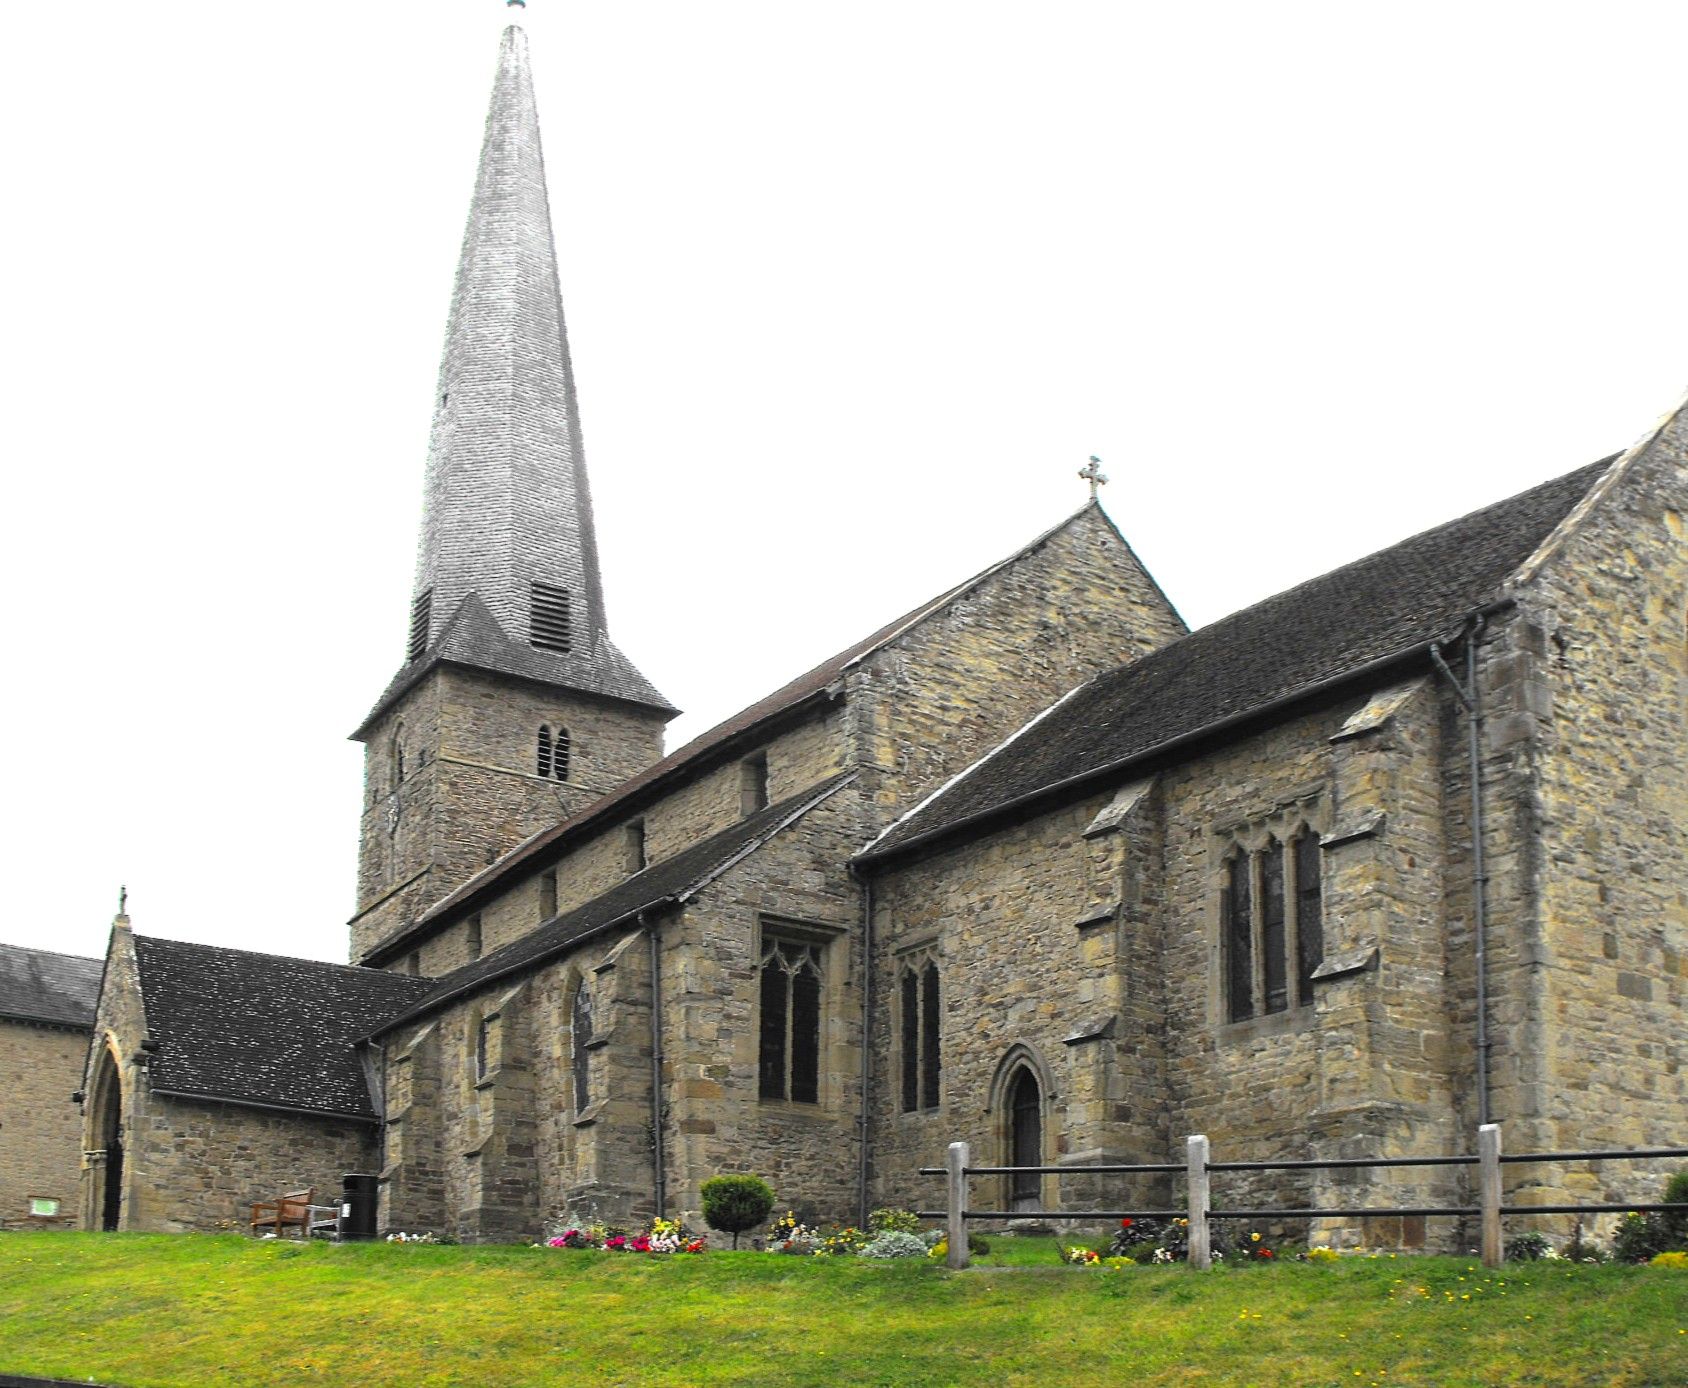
(896, 1244)
(734, 1203)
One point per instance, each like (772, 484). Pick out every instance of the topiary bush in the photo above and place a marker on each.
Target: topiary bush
(734, 1203)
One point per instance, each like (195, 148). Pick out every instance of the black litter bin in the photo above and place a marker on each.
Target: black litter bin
(359, 1199)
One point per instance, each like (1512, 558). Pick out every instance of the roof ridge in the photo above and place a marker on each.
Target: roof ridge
(360, 970)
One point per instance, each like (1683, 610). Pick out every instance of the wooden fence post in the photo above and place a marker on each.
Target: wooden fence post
(1195, 1155)
(1488, 1193)
(955, 1167)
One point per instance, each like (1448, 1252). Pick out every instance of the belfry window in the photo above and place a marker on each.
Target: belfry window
(1271, 931)
(548, 621)
(421, 613)
(552, 760)
(789, 1027)
(922, 1014)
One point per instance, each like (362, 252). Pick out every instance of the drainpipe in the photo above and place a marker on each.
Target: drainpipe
(867, 1042)
(656, 1070)
(1471, 697)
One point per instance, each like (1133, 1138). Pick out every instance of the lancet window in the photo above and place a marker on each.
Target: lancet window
(580, 1041)
(921, 1031)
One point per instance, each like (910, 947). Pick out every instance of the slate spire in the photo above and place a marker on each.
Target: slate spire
(507, 513)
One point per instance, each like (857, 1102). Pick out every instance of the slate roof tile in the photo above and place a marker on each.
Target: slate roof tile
(263, 1028)
(37, 985)
(1384, 605)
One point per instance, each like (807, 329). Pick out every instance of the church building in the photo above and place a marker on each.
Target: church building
(1399, 851)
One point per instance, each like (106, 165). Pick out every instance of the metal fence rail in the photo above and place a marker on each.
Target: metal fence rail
(1199, 1209)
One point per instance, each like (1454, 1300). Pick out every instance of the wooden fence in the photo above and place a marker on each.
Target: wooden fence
(1198, 1165)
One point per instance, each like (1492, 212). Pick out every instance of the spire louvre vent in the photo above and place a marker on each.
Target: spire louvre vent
(549, 621)
(421, 613)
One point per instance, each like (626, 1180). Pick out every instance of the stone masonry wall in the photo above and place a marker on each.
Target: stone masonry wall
(1034, 961)
(471, 788)
(199, 1166)
(1611, 723)
(715, 1119)
(799, 757)
(937, 698)
(40, 1128)
(1088, 939)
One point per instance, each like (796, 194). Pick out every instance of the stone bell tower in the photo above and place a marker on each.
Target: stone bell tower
(512, 708)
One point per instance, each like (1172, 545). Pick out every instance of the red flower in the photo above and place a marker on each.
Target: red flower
(1125, 1224)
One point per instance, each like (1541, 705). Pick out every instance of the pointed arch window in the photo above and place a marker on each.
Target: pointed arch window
(483, 1046)
(922, 1014)
(789, 1027)
(580, 1042)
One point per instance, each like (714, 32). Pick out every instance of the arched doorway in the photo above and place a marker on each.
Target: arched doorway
(1025, 1139)
(108, 1134)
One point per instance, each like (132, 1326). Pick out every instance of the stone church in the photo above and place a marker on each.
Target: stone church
(1395, 852)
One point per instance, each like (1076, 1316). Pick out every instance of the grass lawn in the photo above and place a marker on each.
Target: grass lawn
(141, 1310)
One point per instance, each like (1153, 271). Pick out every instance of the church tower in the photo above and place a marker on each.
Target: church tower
(512, 708)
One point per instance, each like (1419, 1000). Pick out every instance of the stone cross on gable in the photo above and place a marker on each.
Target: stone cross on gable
(1094, 475)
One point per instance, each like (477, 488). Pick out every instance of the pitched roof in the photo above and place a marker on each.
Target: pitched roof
(37, 985)
(1379, 608)
(262, 1028)
(813, 685)
(506, 502)
(668, 882)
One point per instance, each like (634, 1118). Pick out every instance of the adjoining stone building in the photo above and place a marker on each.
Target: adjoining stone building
(46, 1016)
(1031, 866)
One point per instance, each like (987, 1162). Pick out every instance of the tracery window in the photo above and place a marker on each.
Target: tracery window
(1271, 926)
(790, 1021)
(922, 1021)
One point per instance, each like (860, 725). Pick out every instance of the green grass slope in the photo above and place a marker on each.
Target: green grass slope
(146, 1311)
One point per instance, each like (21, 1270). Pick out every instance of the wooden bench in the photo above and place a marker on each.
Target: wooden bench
(290, 1211)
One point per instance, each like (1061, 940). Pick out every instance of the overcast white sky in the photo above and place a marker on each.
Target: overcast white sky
(853, 290)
